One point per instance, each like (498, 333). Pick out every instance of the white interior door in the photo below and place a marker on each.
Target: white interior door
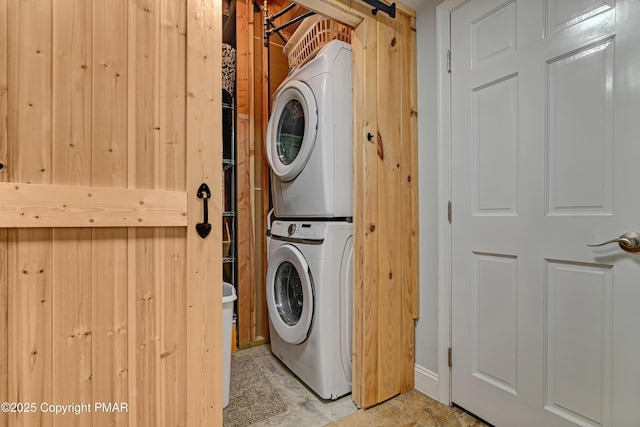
(545, 127)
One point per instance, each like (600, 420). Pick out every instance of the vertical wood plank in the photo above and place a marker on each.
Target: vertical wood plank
(109, 323)
(110, 84)
(71, 297)
(357, 363)
(29, 348)
(173, 95)
(132, 236)
(366, 220)
(4, 278)
(262, 172)
(144, 102)
(204, 256)
(147, 247)
(390, 227)
(4, 327)
(260, 115)
(409, 149)
(4, 87)
(109, 251)
(245, 227)
(173, 327)
(173, 339)
(72, 20)
(266, 112)
(29, 154)
(29, 91)
(147, 304)
(71, 327)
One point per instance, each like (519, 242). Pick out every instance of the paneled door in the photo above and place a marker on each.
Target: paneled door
(545, 128)
(110, 302)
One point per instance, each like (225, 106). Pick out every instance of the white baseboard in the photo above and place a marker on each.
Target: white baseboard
(427, 382)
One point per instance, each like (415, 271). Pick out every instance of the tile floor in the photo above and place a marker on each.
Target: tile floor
(306, 409)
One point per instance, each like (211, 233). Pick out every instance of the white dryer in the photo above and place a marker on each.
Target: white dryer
(309, 296)
(308, 144)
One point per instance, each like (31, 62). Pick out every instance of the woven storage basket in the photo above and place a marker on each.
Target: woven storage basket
(314, 32)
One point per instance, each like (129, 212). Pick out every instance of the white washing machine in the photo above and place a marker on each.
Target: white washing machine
(309, 296)
(308, 144)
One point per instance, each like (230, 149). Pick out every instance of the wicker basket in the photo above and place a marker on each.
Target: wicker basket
(314, 32)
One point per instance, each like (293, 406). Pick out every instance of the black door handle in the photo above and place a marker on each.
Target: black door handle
(204, 228)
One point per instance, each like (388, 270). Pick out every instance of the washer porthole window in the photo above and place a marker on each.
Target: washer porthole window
(290, 131)
(288, 293)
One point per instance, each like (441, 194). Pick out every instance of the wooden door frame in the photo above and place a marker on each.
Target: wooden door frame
(443, 43)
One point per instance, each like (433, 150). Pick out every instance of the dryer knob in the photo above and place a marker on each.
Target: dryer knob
(292, 229)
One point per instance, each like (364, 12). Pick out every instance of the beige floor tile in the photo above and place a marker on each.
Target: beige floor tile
(424, 410)
(466, 421)
(304, 408)
(384, 415)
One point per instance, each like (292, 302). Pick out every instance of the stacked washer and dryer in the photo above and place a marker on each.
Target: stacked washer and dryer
(310, 265)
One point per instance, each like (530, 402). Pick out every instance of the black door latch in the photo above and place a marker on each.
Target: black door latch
(204, 228)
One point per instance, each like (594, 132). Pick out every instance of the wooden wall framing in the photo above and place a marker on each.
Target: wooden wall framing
(259, 73)
(109, 122)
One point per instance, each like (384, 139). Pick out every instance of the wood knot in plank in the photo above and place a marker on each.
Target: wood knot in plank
(380, 147)
(372, 228)
(393, 42)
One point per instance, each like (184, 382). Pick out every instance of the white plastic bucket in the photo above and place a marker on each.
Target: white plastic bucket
(228, 297)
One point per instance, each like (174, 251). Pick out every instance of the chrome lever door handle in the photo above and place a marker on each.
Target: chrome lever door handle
(629, 242)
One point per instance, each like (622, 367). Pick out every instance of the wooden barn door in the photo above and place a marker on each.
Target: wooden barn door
(109, 123)
(385, 187)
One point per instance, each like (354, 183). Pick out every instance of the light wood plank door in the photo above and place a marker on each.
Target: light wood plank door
(385, 197)
(109, 123)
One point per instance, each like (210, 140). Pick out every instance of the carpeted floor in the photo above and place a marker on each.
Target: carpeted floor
(252, 398)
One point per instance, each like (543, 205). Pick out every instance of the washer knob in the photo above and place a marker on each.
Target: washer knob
(292, 229)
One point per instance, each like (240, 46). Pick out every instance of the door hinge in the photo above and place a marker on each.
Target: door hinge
(449, 61)
(449, 211)
(450, 357)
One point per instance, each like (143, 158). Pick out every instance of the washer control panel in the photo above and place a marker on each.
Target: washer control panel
(299, 231)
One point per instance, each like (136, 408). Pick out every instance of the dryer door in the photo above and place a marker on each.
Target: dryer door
(292, 130)
(290, 294)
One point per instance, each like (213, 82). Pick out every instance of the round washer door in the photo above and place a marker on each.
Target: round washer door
(292, 130)
(290, 294)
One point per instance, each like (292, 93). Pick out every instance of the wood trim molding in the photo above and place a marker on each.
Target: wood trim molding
(443, 38)
(334, 9)
(43, 205)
